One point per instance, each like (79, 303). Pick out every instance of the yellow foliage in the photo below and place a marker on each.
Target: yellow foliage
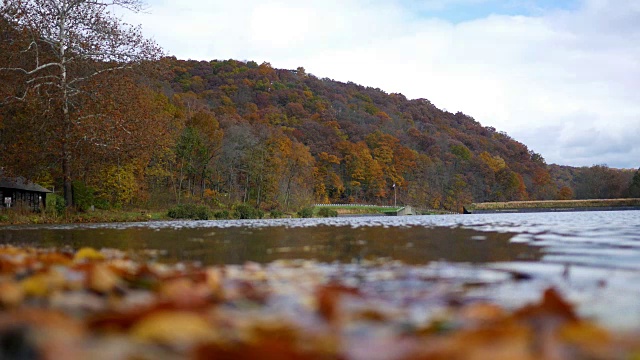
(35, 285)
(584, 332)
(496, 163)
(173, 328)
(42, 284)
(118, 184)
(87, 253)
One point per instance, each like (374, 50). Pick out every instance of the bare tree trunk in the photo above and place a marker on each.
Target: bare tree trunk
(288, 193)
(246, 190)
(66, 117)
(66, 171)
(260, 184)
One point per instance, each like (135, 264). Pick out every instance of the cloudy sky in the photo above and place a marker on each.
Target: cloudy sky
(561, 76)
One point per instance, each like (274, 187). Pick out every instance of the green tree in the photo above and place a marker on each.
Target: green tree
(191, 158)
(634, 188)
(461, 152)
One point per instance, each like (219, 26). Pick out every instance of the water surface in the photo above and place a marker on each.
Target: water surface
(592, 257)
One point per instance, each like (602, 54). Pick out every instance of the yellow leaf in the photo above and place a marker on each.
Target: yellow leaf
(584, 332)
(36, 285)
(172, 327)
(88, 253)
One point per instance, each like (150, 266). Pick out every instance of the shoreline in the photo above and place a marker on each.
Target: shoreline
(553, 206)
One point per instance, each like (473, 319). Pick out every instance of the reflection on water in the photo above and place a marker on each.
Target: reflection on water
(596, 239)
(592, 257)
(235, 245)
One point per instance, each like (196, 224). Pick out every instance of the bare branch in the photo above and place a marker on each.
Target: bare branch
(116, 68)
(31, 72)
(32, 44)
(31, 81)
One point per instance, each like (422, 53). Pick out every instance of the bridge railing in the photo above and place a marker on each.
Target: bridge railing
(421, 210)
(358, 205)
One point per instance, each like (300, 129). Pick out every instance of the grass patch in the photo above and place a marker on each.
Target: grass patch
(98, 216)
(551, 204)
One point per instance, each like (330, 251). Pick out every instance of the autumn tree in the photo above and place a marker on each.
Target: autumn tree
(68, 53)
(543, 187)
(601, 182)
(457, 194)
(328, 185)
(297, 176)
(565, 193)
(365, 176)
(195, 152)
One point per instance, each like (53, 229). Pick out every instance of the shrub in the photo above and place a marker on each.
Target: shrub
(306, 212)
(55, 204)
(326, 212)
(276, 214)
(83, 196)
(245, 211)
(102, 204)
(189, 211)
(222, 215)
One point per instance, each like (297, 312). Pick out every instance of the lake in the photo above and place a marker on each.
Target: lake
(592, 257)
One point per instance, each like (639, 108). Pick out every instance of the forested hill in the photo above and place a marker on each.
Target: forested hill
(123, 125)
(346, 142)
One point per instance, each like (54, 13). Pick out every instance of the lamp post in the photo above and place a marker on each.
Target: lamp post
(395, 198)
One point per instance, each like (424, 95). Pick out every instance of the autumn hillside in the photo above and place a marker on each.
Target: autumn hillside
(288, 131)
(222, 133)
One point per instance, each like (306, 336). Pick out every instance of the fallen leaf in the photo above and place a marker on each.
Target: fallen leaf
(328, 298)
(102, 279)
(87, 253)
(11, 294)
(174, 327)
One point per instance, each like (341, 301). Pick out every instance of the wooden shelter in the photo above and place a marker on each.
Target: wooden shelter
(18, 192)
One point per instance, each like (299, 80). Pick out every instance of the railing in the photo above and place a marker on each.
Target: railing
(399, 207)
(359, 205)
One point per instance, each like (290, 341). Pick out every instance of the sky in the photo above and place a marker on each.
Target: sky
(560, 76)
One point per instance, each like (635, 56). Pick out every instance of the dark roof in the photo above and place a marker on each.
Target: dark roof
(21, 183)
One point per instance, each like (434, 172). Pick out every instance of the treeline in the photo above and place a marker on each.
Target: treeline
(597, 181)
(285, 138)
(223, 133)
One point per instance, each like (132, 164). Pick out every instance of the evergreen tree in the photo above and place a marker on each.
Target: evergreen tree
(634, 188)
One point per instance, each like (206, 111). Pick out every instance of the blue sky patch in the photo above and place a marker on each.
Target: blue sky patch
(457, 11)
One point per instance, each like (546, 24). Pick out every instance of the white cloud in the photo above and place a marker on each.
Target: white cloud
(549, 81)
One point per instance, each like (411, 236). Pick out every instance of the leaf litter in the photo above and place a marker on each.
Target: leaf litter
(109, 304)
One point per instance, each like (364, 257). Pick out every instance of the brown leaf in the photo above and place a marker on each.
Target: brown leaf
(102, 279)
(183, 293)
(552, 305)
(266, 350)
(11, 294)
(328, 298)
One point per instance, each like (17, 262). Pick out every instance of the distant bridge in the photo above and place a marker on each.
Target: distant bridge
(402, 210)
